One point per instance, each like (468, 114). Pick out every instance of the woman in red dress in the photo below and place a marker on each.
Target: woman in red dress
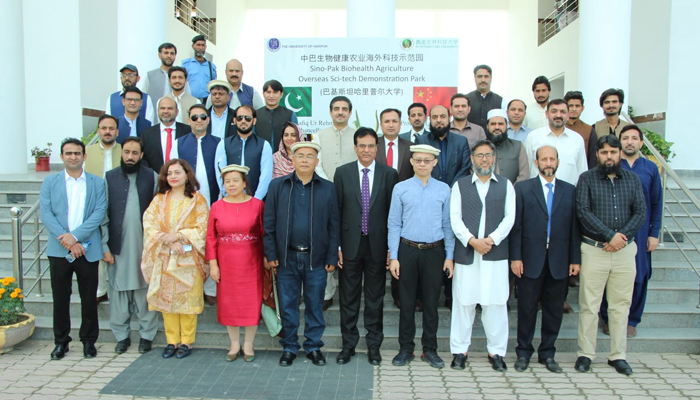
(234, 250)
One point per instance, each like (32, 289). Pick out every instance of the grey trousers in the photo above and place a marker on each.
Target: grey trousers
(124, 304)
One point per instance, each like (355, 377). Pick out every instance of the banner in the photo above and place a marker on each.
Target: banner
(374, 73)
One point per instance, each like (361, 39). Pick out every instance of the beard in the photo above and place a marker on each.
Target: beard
(548, 171)
(496, 139)
(439, 132)
(606, 170)
(245, 131)
(130, 168)
(629, 152)
(483, 171)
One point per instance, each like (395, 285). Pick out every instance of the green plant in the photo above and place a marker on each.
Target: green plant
(11, 301)
(88, 138)
(37, 152)
(663, 147)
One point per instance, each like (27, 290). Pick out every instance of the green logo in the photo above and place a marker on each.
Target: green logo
(298, 99)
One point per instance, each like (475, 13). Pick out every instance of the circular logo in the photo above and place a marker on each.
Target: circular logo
(273, 44)
(406, 44)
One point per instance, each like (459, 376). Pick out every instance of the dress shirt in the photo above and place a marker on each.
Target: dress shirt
(107, 165)
(545, 189)
(182, 114)
(150, 113)
(76, 191)
(198, 75)
(200, 170)
(265, 167)
(420, 214)
(132, 126)
(520, 135)
(164, 137)
(472, 132)
(300, 226)
(606, 206)
(218, 124)
(535, 117)
(569, 145)
(395, 149)
(414, 135)
(370, 174)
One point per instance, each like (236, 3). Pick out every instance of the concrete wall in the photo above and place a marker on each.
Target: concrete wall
(181, 36)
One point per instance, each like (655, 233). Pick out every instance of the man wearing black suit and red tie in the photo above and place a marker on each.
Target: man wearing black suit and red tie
(364, 190)
(545, 248)
(157, 140)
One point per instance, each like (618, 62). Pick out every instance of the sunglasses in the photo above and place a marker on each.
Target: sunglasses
(248, 118)
(196, 117)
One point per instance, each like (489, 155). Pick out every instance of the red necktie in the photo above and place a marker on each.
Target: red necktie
(168, 143)
(390, 155)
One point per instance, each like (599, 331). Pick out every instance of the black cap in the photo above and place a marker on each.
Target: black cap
(198, 38)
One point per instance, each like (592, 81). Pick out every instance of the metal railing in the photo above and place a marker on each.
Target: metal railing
(565, 12)
(18, 249)
(186, 12)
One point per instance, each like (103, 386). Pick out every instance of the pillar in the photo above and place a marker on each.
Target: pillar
(14, 160)
(141, 28)
(371, 18)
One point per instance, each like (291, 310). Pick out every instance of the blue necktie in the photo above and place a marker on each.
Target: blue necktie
(550, 199)
(365, 201)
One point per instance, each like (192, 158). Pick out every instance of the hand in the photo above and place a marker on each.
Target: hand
(574, 269)
(617, 242)
(388, 260)
(77, 250)
(176, 248)
(449, 266)
(394, 267)
(169, 238)
(108, 258)
(273, 264)
(340, 259)
(214, 271)
(265, 263)
(481, 246)
(67, 240)
(652, 243)
(517, 268)
(329, 268)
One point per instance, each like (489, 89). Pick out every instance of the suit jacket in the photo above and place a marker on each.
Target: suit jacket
(53, 200)
(407, 135)
(528, 238)
(152, 147)
(230, 129)
(457, 158)
(405, 168)
(95, 161)
(348, 188)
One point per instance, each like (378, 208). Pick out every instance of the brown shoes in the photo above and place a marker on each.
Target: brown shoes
(631, 331)
(102, 299)
(606, 329)
(211, 300)
(567, 308)
(327, 303)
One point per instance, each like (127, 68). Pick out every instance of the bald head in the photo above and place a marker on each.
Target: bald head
(234, 73)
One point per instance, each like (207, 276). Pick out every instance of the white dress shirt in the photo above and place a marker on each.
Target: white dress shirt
(132, 126)
(535, 117)
(569, 145)
(164, 137)
(107, 165)
(370, 174)
(200, 171)
(76, 191)
(545, 189)
(395, 149)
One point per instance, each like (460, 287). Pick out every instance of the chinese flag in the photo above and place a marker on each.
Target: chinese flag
(433, 96)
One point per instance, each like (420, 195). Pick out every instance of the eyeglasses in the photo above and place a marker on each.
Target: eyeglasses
(370, 146)
(420, 161)
(196, 117)
(305, 157)
(240, 118)
(128, 100)
(132, 75)
(483, 155)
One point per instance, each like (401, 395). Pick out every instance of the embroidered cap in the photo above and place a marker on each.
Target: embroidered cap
(298, 145)
(234, 167)
(425, 148)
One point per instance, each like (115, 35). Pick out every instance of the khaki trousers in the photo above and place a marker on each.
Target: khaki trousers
(598, 270)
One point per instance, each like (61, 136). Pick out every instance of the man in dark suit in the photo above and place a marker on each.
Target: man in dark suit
(157, 140)
(222, 123)
(417, 114)
(545, 248)
(391, 147)
(364, 190)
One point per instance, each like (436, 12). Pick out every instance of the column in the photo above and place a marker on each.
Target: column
(683, 83)
(14, 159)
(604, 51)
(371, 18)
(141, 28)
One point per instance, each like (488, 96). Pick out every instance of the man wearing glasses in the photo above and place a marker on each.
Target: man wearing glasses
(131, 123)
(129, 75)
(222, 124)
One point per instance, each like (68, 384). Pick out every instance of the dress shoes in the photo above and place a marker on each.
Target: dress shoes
(287, 359)
(89, 350)
(583, 364)
(551, 365)
(211, 300)
(448, 302)
(621, 366)
(419, 306)
(59, 351)
(374, 357)
(433, 359)
(397, 303)
(459, 361)
(183, 351)
(574, 281)
(101, 299)
(145, 345)
(344, 356)
(122, 346)
(567, 308)
(402, 359)
(631, 331)
(327, 304)
(317, 358)
(169, 351)
(606, 329)
(497, 363)
(521, 364)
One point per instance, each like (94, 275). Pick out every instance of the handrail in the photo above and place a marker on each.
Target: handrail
(186, 11)
(19, 219)
(564, 13)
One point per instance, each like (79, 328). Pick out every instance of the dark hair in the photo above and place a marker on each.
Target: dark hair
(483, 142)
(539, 80)
(287, 124)
(631, 127)
(388, 110)
(71, 140)
(421, 105)
(612, 92)
(133, 139)
(273, 84)
(611, 140)
(440, 105)
(252, 110)
(362, 132)
(191, 184)
(341, 98)
(175, 69)
(573, 95)
(557, 102)
(166, 46)
(244, 178)
(460, 96)
(511, 102)
(483, 66)
(107, 116)
(537, 152)
(197, 106)
(132, 89)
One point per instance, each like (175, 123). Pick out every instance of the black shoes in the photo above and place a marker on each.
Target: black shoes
(433, 359)
(344, 356)
(521, 364)
(583, 364)
(145, 345)
(374, 357)
(497, 363)
(287, 359)
(122, 346)
(621, 366)
(327, 303)
(448, 302)
(402, 359)
(459, 361)
(59, 351)
(551, 365)
(169, 351)
(183, 351)
(317, 358)
(89, 350)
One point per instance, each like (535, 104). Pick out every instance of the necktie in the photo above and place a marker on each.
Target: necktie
(168, 143)
(390, 155)
(550, 199)
(365, 200)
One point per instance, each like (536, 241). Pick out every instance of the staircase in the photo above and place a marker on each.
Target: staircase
(670, 323)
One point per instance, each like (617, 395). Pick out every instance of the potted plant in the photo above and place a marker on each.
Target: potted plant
(41, 156)
(661, 145)
(15, 325)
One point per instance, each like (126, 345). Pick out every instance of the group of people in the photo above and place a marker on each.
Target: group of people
(194, 211)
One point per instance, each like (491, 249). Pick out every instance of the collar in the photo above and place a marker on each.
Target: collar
(475, 177)
(371, 166)
(619, 175)
(544, 182)
(68, 177)
(294, 178)
(467, 126)
(387, 141)
(103, 148)
(163, 127)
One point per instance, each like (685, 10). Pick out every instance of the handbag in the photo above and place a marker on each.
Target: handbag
(271, 316)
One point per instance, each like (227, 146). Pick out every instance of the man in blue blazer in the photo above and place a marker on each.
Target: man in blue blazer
(72, 209)
(545, 248)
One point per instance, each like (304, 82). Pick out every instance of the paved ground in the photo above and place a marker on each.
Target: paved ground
(27, 373)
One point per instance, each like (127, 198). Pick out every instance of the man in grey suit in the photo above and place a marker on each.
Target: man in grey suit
(417, 114)
(72, 208)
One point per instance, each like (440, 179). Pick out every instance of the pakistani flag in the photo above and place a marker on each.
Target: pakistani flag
(298, 99)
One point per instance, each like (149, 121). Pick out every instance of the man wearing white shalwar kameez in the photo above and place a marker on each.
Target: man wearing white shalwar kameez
(484, 202)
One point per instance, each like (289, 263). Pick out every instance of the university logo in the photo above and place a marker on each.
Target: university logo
(273, 44)
(406, 44)
(298, 99)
